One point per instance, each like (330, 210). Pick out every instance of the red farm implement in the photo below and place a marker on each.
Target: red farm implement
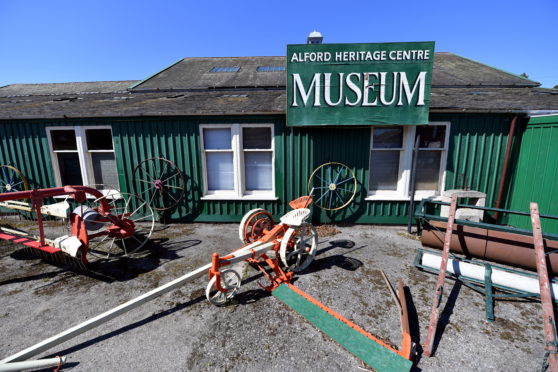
(102, 224)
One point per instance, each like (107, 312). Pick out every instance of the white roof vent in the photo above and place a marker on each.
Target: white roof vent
(315, 37)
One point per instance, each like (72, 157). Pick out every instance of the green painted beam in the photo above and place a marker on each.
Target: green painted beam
(364, 348)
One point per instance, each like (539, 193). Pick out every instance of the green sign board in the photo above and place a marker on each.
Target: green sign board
(359, 84)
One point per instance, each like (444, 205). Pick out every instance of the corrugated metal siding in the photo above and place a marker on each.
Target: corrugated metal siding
(178, 140)
(476, 152)
(536, 176)
(477, 146)
(25, 146)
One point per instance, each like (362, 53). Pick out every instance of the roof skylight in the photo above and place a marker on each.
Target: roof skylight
(270, 68)
(225, 69)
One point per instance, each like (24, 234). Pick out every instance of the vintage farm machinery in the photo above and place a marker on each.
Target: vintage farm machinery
(278, 251)
(104, 225)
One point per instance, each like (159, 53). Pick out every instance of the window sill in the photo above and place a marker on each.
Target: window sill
(396, 197)
(239, 198)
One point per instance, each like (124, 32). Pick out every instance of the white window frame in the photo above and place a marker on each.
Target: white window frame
(239, 192)
(405, 163)
(84, 154)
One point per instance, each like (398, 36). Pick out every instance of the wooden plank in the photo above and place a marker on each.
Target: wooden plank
(360, 343)
(546, 297)
(435, 313)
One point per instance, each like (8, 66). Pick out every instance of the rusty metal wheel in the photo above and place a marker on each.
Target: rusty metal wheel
(122, 231)
(254, 224)
(160, 182)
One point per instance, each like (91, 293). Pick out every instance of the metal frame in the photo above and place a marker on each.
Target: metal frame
(422, 216)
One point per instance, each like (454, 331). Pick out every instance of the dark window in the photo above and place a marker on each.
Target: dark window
(99, 139)
(63, 140)
(256, 138)
(70, 170)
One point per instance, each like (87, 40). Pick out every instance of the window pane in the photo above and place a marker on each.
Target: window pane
(220, 174)
(63, 139)
(217, 139)
(99, 139)
(431, 136)
(256, 138)
(70, 171)
(258, 170)
(428, 170)
(384, 170)
(386, 138)
(104, 169)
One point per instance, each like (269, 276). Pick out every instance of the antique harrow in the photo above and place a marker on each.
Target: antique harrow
(104, 225)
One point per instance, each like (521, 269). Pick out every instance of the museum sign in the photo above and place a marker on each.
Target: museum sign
(359, 84)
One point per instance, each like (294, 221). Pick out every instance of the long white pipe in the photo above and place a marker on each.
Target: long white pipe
(500, 277)
(32, 364)
(238, 256)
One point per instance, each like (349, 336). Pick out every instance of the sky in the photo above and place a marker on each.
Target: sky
(70, 41)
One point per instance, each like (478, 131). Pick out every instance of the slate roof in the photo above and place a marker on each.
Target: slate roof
(188, 88)
(194, 73)
(94, 87)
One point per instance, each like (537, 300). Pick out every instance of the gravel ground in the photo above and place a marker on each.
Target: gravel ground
(182, 331)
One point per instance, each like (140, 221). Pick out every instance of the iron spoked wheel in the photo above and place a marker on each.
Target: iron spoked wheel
(333, 186)
(12, 180)
(160, 182)
(254, 224)
(230, 280)
(133, 214)
(298, 247)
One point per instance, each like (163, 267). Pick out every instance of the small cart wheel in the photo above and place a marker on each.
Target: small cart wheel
(333, 186)
(298, 247)
(254, 224)
(160, 182)
(230, 280)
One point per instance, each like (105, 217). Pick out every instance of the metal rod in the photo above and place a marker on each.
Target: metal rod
(505, 167)
(32, 364)
(413, 184)
(391, 291)
(546, 297)
(435, 313)
(519, 213)
(239, 255)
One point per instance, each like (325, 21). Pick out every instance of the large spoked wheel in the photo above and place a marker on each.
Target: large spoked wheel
(123, 231)
(12, 180)
(254, 224)
(298, 247)
(230, 280)
(160, 182)
(333, 186)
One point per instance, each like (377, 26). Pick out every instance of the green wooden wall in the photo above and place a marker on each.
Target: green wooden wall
(477, 146)
(536, 176)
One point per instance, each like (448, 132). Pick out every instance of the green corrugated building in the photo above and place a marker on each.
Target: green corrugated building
(222, 121)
